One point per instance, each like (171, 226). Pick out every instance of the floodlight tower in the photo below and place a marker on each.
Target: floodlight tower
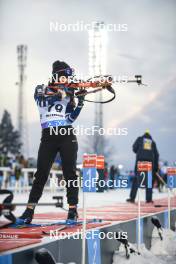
(22, 58)
(97, 66)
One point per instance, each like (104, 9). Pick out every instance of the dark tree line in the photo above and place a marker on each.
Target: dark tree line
(9, 137)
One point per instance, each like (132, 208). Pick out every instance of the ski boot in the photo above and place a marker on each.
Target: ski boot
(26, 217)
(72, 216)
(129, 200)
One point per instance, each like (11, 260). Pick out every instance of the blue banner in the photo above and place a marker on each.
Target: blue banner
(6, 259)
(89, 179)
(141, 231)
(93, 242)
(149, 179)
(145, 179)
(166, 225)
(171, 181)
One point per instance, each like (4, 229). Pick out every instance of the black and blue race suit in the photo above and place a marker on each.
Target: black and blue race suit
(60, 114)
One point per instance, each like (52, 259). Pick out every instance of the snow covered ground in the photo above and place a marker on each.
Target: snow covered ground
(162, 252)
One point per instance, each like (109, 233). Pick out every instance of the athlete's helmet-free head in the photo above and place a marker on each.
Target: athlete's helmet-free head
(147, 131)
(61, 68)
(60, 72)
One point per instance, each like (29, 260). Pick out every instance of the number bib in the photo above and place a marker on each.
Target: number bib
(53, 113)
(147, 144)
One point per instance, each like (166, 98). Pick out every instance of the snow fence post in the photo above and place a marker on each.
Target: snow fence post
(89, 185)
(144, 169)
(171, 183)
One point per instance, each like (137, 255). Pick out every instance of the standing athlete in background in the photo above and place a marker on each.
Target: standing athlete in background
(57, 109)
(145, 149)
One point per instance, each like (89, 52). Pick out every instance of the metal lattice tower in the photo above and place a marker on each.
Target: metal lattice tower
(22, 58)
(97, 66)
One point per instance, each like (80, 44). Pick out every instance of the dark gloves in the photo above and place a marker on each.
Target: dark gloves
(81, 95)
(40, 90)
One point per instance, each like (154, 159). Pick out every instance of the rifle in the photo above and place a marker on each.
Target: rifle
(77, 88)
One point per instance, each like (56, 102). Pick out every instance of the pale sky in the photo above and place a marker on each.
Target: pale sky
(147, 48)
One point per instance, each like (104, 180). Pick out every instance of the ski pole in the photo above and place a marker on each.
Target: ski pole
(161, 179)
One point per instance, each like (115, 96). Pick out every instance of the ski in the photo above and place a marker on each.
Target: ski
(73, 224)
(65, 223)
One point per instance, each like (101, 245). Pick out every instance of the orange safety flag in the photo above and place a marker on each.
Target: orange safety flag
(93, 161)
(100, 162)
(171, 171)
(89, 160)
(144, 166)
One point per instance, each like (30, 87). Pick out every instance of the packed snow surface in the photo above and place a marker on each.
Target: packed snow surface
(161, 252)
